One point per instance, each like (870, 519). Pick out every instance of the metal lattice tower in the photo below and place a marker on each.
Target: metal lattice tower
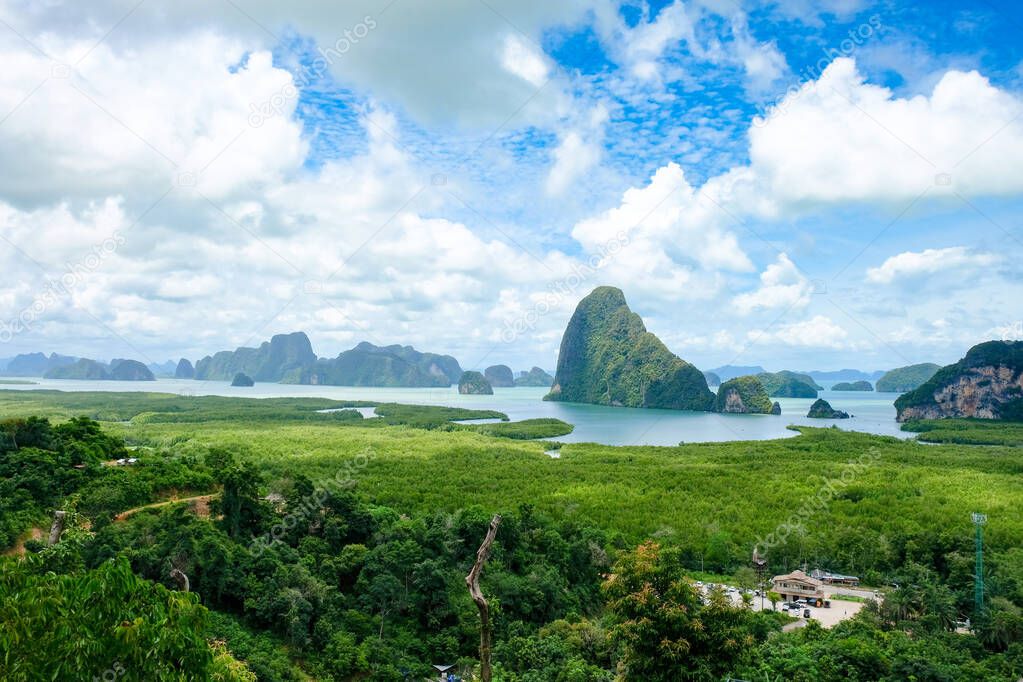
(978, 579)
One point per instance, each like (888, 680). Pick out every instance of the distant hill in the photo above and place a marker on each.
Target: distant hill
(36, 364)
(727, 372)
(500, 376)
(608, 357)
(845, 375)
(93, 370)
(130, 370)
(786, 384)
(270, 362)
(712, 379)
(389, 366)
(534, 377)
(852, 386)
(986, 384)
(903, 379)
(84, 369)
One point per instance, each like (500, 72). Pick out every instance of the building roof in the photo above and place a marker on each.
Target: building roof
(800, 576)
(827, 575)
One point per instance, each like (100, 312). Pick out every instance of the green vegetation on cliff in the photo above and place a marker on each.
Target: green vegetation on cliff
(268, 363)
(786, 384)
(852, 386)
(387, 366)
(608, 357)
(743, 395)
(986, 383)
(474, 383)
(903, 379)
(822, 409)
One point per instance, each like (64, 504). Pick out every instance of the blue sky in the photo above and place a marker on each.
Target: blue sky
(792, 183)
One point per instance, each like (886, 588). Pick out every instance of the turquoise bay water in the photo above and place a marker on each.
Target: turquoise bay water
(873, 412)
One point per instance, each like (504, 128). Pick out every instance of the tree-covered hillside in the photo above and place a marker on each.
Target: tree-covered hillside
(608, 357)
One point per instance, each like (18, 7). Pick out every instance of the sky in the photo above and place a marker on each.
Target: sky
(794, 184)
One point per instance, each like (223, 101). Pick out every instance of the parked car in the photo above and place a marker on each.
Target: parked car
(806, 613)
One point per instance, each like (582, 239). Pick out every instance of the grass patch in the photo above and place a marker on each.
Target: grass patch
(967, 431)
(526, 429)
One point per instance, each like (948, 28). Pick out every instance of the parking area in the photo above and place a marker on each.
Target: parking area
(827, 616)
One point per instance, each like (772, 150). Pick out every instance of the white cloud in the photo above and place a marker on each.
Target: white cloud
(817, 332)
(136, 124)
(523, 59)
(578, 152)
(1008, 332)
(443, 61)
(842, 139)
(781, 286)
(956, 259)
(644, 49)
(677, 241)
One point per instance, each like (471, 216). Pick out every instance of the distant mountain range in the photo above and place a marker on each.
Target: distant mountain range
(846, 375)
(370, 365)
(729, 372)
(285, 358)
(36, 364)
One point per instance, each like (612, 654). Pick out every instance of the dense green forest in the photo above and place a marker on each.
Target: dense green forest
(319, 546)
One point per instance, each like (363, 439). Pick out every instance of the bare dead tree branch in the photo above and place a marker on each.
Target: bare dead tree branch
(473, 582)
(183, 583)
(59, 517)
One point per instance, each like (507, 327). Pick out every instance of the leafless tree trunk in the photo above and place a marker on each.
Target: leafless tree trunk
(473, 582)
(58, 527)
(183, 583)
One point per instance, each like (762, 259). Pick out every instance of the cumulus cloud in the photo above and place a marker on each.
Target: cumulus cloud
(910, 264)
(782, 285)
(677, 239)
(577, 152)
(172, 111)
(840, 138)
(817, 332)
